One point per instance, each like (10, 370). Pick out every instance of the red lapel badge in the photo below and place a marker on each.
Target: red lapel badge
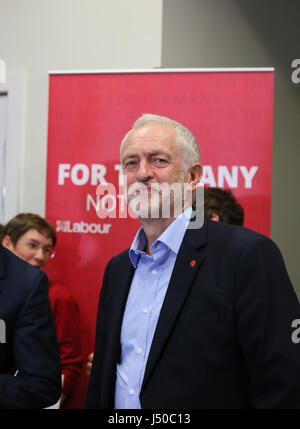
(192, 263)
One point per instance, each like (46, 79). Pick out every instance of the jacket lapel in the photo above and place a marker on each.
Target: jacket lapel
(114, 316)
(117, 303)
(188, 262)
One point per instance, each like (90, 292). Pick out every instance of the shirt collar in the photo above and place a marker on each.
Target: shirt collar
(172, 237)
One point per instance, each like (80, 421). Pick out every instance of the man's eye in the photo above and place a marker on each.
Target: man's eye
(130, 164)
(32, 245)
(160, 160)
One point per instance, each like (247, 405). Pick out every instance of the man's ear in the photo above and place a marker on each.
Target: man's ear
(195, 174)
(215, 217)
(6, 242)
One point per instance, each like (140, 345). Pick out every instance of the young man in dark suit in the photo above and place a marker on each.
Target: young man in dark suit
(30, 373)
(32, 238)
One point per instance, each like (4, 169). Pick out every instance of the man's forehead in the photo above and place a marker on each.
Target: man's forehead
(153, 133)
(36, 235)
(153, 128)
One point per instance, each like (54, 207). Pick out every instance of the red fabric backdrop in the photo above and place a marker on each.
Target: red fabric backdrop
(229, 112)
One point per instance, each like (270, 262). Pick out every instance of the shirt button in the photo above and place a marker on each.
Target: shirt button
(145, 310)
(139, 351)
(131, 392)
(154, 271)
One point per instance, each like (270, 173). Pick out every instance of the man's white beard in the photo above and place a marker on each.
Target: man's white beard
(163, 201)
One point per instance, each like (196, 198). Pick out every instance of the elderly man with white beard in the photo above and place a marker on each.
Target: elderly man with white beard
(190, 317)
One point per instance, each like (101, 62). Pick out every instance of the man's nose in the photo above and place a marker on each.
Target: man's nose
(145, 171)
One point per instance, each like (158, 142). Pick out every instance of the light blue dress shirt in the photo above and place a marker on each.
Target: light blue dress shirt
(147, 291)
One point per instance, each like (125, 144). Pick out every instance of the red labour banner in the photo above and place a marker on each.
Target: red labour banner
(230, 112)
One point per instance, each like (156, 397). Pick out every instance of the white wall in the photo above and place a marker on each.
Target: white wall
(12, 124)
(256, 33)
(41, 35)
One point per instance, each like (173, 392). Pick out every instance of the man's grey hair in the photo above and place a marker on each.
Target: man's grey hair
(186, 141)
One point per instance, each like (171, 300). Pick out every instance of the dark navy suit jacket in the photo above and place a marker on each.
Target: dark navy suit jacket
(28, 343)
(223, 337)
